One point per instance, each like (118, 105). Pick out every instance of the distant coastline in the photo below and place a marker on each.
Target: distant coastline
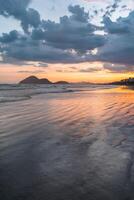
(35, 80)
(126, 82)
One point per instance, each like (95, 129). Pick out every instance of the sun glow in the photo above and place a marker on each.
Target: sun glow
(83, 72)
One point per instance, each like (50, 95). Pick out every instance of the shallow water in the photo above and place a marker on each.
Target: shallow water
(18, 92)
(68, 146)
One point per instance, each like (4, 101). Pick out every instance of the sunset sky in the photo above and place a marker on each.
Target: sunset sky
(72, 40)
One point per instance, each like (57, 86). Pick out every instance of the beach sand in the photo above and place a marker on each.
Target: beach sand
(68, 146)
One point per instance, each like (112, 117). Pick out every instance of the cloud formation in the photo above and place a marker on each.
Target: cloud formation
(120, 41)
(67, 41)
(74, 32)
(71, 40)
(116, 68)
(11, 37)
(20, 11)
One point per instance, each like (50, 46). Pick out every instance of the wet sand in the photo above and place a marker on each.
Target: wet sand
(73, 146)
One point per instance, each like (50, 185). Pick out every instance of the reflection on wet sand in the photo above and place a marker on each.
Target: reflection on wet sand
(72, 146)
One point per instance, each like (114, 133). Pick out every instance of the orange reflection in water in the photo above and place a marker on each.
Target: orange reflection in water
(122, 89)
(92, 112)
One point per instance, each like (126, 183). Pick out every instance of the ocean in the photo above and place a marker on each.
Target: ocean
(66, 142)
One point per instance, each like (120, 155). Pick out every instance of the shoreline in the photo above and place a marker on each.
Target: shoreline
(67, 146)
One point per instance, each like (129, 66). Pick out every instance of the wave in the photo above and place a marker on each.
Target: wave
(11, 93)
(16, 92)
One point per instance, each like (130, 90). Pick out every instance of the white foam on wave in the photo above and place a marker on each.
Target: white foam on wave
(9, 93)
(17, 92)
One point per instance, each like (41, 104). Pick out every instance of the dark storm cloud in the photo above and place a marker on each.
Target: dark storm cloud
(14, 8)
(74, 32)
(71, 40)
(120, 41)
(116, 68)
(20, 11)
(78, 14)
(118, 27)
(11, 37)
(121, 25)
(67, 41)
(31, 18)
(41, 53)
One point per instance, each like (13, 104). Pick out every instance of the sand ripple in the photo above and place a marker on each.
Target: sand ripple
(73, 146)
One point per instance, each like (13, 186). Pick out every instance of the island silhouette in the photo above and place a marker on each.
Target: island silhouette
(35, 80)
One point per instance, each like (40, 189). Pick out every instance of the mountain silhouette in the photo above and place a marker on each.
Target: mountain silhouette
(35, 80)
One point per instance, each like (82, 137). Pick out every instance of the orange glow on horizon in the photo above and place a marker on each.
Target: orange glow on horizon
(14, 74)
